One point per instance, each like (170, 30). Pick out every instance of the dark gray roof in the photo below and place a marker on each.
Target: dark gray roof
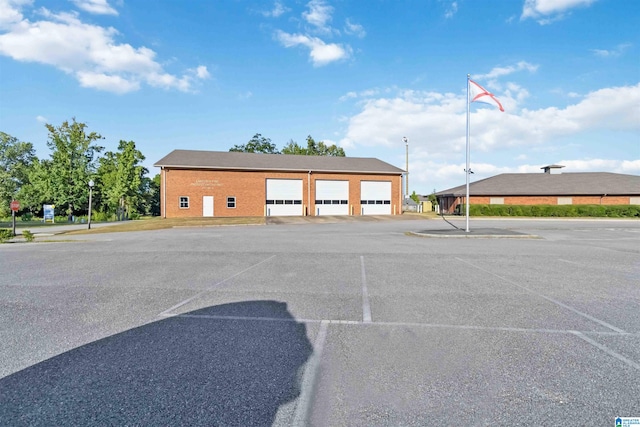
(544, 184)
(223, 160)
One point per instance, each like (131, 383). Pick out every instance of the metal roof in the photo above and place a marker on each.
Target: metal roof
(223, 160)
(544, 184)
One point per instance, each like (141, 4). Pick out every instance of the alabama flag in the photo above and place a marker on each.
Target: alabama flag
(479, 94)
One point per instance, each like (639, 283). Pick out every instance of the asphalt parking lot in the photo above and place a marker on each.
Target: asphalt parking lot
(385, 323)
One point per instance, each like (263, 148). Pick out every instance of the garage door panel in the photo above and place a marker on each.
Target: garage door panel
(332, 197)
(375, 197)
(284, 197)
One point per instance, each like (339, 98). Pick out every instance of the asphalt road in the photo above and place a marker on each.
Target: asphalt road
(339, 324)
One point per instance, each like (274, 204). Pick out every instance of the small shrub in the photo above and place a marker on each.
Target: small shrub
(134, 215)
(5, 234)
(27, 217)
(28, 235)
(565, 211)
(101, 216)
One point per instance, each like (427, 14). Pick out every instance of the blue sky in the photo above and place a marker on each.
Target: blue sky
(206, 75)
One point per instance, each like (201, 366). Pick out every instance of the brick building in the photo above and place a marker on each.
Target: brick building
(227, 184)
(580, 188)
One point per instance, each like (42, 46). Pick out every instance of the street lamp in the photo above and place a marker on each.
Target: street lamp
(90, 191)
(406, 188)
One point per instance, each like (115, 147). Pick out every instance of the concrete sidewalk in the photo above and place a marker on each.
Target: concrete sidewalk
(53, 229)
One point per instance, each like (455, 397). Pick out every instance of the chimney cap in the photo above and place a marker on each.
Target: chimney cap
(547, 169)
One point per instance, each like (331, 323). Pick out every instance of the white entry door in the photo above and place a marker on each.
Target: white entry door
(207, 205)
(375, 197)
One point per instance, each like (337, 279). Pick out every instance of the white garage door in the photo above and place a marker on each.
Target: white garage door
(375, 197)
(332, 197)
(284, 197)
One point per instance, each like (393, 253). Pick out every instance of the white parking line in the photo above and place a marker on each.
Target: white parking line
(167, 312)
(366, 306)
(405, 324)
(607, 350)
(569, 262)
(309, 378)
(561, 304)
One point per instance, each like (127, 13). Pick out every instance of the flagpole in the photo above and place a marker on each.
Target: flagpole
(468, 155)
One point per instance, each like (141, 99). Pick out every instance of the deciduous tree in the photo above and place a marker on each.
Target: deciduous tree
(257, 144)
(121, 180)
(37, 191)
(313, 149)
(72, 163)
(16, 158)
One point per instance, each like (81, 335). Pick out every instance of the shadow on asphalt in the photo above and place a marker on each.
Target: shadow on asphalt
(213, 370)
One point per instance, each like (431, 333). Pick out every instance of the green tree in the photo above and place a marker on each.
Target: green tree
(72, 163)
(292, 147)
(152, 195)
(257, 144)
(37, 191)
(433, 198)
(16, 159)
(121, 180)
(414, 197)
(313, 149)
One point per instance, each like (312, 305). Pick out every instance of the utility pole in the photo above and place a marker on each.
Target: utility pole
(406, 188)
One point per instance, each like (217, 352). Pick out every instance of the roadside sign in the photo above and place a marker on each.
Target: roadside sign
(48, 213)
(15, 205)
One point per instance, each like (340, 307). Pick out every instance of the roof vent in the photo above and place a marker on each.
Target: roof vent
(547, 169)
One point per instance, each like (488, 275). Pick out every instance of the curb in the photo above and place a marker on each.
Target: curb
(472, 236)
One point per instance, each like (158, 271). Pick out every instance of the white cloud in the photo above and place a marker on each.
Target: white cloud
(629, 166)
(348, 95)
(612, 53)
(548, 11)
(201, 72)
(592, 165)
(41, 119)
(244, 96)
(88, 52)
(99, 7)
(320, 52)
(362, 94)
(278, 10)
(10, 11)
(354, 29)
(107, 83)
(505, 71)
(435, 124)
(451, 10)
(318, 15)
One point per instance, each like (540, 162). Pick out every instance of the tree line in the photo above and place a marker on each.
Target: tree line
(261, 144)
(121, 188)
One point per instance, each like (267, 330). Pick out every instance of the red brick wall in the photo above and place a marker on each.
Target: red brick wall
(606, 200)
(249, 189)
(531, 200)
(477, 200)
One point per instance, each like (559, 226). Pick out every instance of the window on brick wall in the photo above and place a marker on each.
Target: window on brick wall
(231, 202)
(184, 202)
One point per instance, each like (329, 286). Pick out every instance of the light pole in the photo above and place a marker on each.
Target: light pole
(90, 191)
(406, 187)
